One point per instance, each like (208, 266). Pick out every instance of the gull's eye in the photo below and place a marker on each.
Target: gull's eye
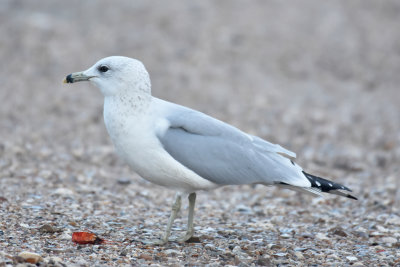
(103, 68)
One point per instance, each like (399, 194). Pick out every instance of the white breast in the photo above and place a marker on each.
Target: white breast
(134, 137)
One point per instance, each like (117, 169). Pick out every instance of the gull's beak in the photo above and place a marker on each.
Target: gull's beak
(76, 77)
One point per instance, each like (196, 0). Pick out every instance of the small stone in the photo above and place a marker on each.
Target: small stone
(358, 263)
(361, 234)
(48, 228)
(30, 257)
(269, 226)
(394, 219)
(66, 235)
(24, 225)
(172, 252)
(63, 192)
(339, 231)
(124, 181)
(243, 209)
(263, 262)
(334, 256)
(375, 233)
(307, 235)
(146, 257)
(286, 236)
(78, 153)
(54, 261)
(280, 254)
(209, 246)
(274, 246)
(17, 259)
(237, 249)
(299, 255)
(124, 252)
(322, 236)
(45, 174)
(377, 247)
(351, 258)
(81, 262)
(382, 229)
(389, 240)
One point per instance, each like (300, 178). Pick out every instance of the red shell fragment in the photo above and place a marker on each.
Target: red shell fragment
(86, 238)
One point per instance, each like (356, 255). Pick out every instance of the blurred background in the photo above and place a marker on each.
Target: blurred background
(318, 77)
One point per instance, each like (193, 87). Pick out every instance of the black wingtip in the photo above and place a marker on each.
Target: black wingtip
(328, 186)
(352, 197)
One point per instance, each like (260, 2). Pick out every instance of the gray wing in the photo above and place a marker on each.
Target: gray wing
(223, 154)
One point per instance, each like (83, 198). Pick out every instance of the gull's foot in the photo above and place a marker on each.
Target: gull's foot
(188, 237)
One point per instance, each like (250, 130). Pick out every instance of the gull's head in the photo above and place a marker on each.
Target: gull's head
(115, 75)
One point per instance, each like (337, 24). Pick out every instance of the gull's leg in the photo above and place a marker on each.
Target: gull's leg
(175, 209)
(189, 232)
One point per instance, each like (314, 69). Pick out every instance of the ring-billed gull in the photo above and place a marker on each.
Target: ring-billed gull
(184, 149)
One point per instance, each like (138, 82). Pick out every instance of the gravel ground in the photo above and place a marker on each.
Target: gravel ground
(319, 77)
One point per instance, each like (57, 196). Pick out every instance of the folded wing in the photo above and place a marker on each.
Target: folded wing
(225, 155)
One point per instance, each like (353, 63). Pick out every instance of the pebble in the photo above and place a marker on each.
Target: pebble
(63, 192)
(322, 236)
(237, 250)
(30, 257)
(263, 262)
(172, 252)
(280, 254)
(351, 258)
(376, 234)
(361, 234)
(24, 225)
(45, 174)
(53, 261)
(243, 209)
(48, 228)
(82, 262)
(66, 235)
(394, 219)
(339, 231)
(124, 181)
(389, 240)
(334, 256)
(381, 229)
(274, 246)
(209, 246)
(146, 257)
(299, 255)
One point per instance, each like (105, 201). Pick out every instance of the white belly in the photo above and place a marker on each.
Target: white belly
(136, 142)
